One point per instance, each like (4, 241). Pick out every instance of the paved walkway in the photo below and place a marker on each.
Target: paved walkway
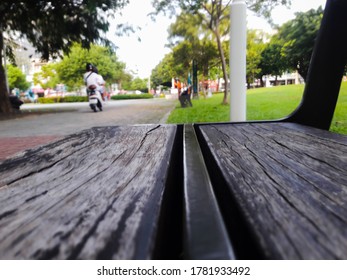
(12, 145)
(42, 124)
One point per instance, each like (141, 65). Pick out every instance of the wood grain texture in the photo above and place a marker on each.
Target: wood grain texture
(290, 182)
(92, 195)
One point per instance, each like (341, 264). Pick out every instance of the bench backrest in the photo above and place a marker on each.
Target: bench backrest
(326, 69)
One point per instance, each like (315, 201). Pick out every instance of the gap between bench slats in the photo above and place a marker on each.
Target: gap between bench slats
(205, 234)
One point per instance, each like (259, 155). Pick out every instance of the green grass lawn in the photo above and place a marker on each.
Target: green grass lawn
(262, 104)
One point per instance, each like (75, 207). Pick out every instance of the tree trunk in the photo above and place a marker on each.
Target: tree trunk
(5, 105)
(302, 73)
(261, 81)
(224, 67)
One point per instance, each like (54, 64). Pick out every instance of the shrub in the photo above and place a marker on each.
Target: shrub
(50, 100)
(46, 100)
(75, 99)
(132, 96)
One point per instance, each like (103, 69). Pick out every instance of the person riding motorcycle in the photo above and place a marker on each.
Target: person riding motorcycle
(101, 83)
(92, 80)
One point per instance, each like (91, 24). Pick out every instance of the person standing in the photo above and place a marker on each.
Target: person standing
(178, 85)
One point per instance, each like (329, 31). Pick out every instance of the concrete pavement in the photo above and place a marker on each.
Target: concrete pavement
(44, 123)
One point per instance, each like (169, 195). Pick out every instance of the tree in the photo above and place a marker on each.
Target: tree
(255, 46)
(192, 41)
(16, 78)
(264, 7)
(52, 27)
(272, 61)
(164, 71)
(215, 13)
(72, 67)
(297, 38)
(48, 77)
(138, 84)
(70, 70)
(212, 14)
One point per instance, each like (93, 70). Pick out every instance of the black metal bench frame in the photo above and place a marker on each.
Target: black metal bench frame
(326, 69)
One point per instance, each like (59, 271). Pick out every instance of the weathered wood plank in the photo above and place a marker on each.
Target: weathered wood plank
(290, 182)
(93, 195)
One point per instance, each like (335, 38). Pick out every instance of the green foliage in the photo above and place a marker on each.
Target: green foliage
(272, 62)
(297, 38)
(260, 7)
(255, 46)
(66, 99)
(138, 84)
(16, 78)
(131, 96)
(164, 71)
(72, 67)
(188, 26)
(52, 26)
(264, 7)
(48, 77)
(48, 100)
(190, 39)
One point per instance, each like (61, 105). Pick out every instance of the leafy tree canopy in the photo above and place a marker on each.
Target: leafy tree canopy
(193, 41)
(48, 77)
(261, 7)
(164, 71)
(52, 27)
(16, 78)
(70, 70)
(272, 62)
(264, 7)
(297, 38)
(255, 46)
(138, 84)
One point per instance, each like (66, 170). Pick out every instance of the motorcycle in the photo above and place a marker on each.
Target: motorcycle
(94, 99)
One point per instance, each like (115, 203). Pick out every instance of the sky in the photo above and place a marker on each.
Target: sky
(142, 56)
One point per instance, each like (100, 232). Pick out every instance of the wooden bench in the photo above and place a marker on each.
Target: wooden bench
(252, 190)
(282, 188)
(93, 195)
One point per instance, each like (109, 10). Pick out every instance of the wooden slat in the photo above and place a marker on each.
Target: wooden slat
(93, 195)
(290, 182)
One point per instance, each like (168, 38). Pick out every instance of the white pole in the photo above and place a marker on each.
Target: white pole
(238, 40)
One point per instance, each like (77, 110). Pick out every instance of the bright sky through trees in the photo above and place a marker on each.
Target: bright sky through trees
(142, 56)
